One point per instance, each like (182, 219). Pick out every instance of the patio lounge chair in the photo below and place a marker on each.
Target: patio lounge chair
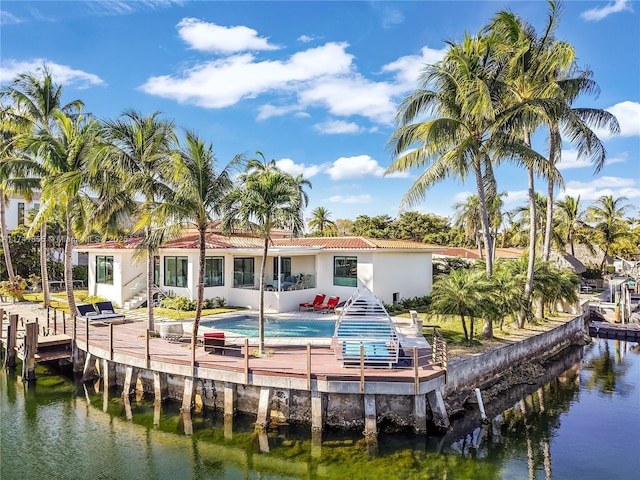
(316, 301)
(97, 314)
(331, 304)
(214, 342)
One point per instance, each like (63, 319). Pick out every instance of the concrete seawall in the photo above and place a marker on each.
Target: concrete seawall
(477, 370)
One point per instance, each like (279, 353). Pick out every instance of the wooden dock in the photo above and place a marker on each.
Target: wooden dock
(54, 347)
(616, 331)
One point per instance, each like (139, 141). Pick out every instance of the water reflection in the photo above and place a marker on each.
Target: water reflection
(538, 431)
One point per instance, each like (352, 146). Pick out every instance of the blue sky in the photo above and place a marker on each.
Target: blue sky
(315, 85)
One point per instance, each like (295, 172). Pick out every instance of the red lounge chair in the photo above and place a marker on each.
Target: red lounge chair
(331, 304)
(316, 301)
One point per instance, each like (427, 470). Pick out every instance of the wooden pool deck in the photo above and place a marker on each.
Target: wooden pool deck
(130, 344)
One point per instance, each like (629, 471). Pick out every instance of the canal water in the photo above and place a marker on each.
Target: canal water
(582, 421)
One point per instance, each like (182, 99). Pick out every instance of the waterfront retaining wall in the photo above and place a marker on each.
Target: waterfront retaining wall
(477, 370)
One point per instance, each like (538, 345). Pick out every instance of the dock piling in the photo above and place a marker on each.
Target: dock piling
(30, 349)
(12, 332)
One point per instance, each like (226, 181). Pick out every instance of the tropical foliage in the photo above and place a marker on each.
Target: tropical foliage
(478, 107)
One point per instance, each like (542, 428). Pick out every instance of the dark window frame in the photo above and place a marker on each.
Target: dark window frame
(246, 276)
(344, 273)
(212, 280)
(104, 274)
(184, 261)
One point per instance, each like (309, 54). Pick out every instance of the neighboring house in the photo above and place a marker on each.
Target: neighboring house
(590, 258)
(296, 269)
(17, 212)
(473, 254)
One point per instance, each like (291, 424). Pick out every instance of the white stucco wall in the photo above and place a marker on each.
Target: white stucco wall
(11, 211)
(406, 273)
(125, 271)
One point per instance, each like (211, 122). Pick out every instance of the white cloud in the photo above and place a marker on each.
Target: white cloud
(268, 111)
(7, 18)
(628, 115)
(296, 169)
(336, 127)
(352, 95)
(62, 74)
(360, 166)
(596, 14)
(462, 196)
(391, 18)
(209, 37)
(571, 160)
(350, 199)
(516, 197)
(307, 38)
(408, 68)
(223, 82)
(596, 188)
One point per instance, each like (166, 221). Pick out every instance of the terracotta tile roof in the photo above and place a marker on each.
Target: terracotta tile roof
(353, 243)
(472, 253)
(216, 241)
(127, 243)
(213, 241)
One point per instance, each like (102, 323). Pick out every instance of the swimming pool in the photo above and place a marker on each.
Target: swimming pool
(248, 326)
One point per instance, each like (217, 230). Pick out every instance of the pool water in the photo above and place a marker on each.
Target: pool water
(248, 326)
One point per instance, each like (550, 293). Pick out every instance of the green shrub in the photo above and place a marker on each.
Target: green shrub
(84, 297)
(178, 303)
(14, 289)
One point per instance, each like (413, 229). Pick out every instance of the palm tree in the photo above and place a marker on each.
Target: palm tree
(37, 96)
(140, 155)
(466, 293)
(320, 222)
(540, 92)
(201, 193)
(607, 213)
(11, 168)
(467, 217)
(266, 198)
(571, 220)
(456, 91)
(66, 155)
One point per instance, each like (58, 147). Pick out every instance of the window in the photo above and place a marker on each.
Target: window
(243, 272)
(345, 271)
(213, 271)
(156, 270)
(175, 271)
(285, 267)
(21, 213)
(104, 269)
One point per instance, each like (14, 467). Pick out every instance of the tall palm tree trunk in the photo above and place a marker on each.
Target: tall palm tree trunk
(487, 328)
(5, 237)
(548, 232)
(196, 320)
(44, 271)
(150, 320)
(484, 216)
(261, 303)
(68, 268)
(528, 287)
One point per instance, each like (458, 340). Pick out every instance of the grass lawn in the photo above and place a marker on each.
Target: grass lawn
(59, 302)
(450, 327)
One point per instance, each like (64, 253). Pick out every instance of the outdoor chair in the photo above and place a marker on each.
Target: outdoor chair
(331, 304)
(316, 301)
(214, 342)
(96, 314)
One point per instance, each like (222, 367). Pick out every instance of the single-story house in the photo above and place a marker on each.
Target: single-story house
(473, 253)
(296, 269)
